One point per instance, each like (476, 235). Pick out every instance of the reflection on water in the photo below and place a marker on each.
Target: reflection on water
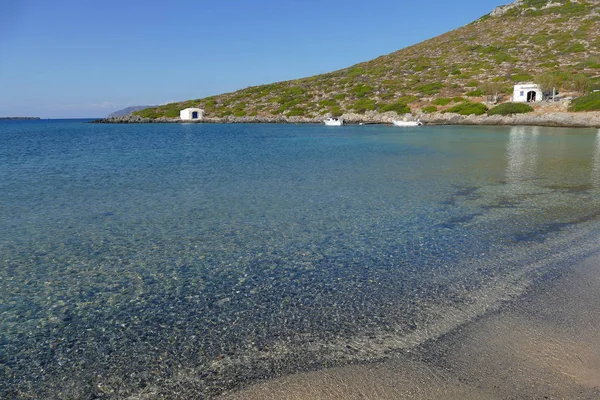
(191, 259)
(596, 162)
(522, 154)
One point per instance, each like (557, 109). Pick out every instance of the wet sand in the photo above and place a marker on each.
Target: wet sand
(545, 345)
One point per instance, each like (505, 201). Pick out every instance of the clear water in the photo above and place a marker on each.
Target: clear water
(184, 260)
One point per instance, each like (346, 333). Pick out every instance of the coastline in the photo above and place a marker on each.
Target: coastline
(19, 118)
(589, 119)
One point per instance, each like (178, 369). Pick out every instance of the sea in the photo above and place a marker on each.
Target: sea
(188, 260)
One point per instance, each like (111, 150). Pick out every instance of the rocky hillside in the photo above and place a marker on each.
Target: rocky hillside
(514, 43)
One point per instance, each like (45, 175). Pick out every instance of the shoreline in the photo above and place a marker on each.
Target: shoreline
(589, 119)
(20, 118)
(430, 363)
(544, 344)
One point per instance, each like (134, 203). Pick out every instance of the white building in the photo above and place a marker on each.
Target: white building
(527, 92)
(191, 113)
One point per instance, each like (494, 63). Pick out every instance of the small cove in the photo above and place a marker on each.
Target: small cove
(185, 260)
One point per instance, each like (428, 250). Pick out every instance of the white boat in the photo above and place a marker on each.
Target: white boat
(408, 123)
(334, 121)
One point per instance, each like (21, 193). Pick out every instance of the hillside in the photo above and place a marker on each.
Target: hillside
(514, 43)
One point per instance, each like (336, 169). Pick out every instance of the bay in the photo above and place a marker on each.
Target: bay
(185, 260)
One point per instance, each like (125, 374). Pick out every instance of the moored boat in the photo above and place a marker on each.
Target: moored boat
(334, 121)
(408, 123)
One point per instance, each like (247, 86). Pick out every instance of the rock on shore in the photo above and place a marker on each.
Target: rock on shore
(565, 119)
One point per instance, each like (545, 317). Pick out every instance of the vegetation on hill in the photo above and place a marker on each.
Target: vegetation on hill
(520, 42)
(591, 102)
(468, 108)
(510, 108)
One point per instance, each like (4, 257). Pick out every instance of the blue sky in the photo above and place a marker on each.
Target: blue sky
(83, 58)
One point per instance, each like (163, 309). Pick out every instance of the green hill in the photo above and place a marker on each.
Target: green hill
(518, 42)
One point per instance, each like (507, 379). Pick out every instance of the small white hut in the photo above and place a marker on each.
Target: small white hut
(191, 114)
(527, 93)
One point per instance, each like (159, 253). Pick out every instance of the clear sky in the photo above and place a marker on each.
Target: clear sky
(87, 58)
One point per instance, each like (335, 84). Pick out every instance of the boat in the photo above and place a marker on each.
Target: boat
(334, 121)
(407, 123)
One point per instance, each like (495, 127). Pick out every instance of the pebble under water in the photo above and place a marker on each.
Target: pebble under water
(183, 261)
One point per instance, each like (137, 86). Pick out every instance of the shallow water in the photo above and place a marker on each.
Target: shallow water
(545, 345)
(181, 260)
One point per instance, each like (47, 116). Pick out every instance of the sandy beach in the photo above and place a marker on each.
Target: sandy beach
(545, 345)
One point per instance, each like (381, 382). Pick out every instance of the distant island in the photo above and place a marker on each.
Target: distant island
(18, 118)
(127, 111)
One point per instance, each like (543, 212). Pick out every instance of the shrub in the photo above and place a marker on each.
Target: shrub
(355, 71)
(468, 108)
(407, 99)
(296, 112)
(549, 64)
(510, 108)
(550, 81)
(576, 48)
(475, 93)
(590, 102)
(171, 113)
(328, 103)
(572, 9)
(441, 101)
(429, 109)
(503, 57)
(399, 108)
(363, 105)
(336, 111)
(288, 105)
(361, 90)
(147, 113)
(521, 77)
(579, 83)
(592, 63)
(430, 88)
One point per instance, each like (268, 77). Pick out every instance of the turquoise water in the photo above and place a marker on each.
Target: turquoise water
(178, 260)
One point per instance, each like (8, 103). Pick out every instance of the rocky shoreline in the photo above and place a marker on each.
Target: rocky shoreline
(557, 119)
